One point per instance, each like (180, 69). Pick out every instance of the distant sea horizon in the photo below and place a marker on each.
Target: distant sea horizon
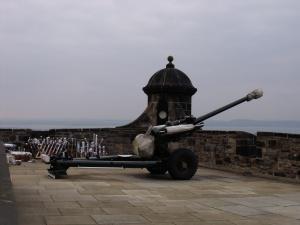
(251, 126)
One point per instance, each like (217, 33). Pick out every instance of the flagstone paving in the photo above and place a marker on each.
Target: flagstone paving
(132, 196)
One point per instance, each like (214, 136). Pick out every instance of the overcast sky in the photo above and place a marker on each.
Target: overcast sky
(90, 59)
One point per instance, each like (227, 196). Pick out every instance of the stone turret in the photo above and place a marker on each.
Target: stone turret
(169, 93)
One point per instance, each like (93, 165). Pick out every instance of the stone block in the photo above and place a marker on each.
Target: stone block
(71, 220)
(119, 219)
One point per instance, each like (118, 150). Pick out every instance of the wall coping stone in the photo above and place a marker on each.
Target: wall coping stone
(275, 134)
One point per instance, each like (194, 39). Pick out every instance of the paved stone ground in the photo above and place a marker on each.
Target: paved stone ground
(132, 196)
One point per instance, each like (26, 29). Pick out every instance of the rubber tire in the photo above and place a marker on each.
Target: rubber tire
(158, 170)
(182, 164)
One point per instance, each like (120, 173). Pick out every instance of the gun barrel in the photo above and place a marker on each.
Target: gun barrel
(252, 95)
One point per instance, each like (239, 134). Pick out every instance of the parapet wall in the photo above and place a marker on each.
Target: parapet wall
(270, 154)
(8, 212)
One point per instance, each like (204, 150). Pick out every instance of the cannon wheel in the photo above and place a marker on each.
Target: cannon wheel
(182, 164)
(158, 169)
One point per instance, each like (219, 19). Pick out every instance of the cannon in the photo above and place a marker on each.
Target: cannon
(151, 150)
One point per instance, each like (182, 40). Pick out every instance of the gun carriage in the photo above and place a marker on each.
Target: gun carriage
(151, 149)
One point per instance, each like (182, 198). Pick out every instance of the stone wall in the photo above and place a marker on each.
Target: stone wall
(280, 154)
(14, 135)
(268, 154)
(7, 200)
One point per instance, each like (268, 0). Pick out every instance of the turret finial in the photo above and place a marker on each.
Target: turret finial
(170, 64)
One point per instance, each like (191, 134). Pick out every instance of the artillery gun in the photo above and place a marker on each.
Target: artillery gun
(151, 149)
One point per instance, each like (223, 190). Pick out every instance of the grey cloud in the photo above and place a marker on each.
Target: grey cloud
(90, 59)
